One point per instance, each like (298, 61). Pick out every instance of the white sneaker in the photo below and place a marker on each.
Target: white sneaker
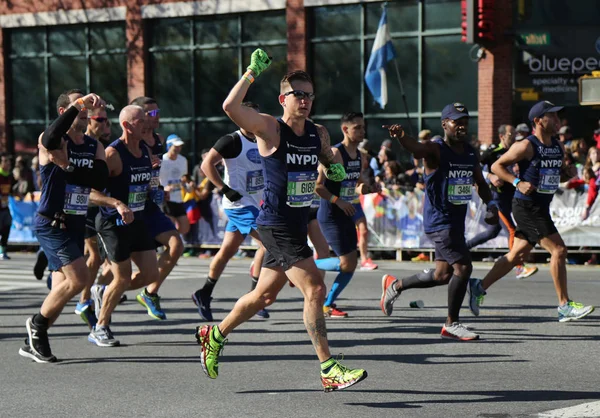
(458, 331)
(572, 311)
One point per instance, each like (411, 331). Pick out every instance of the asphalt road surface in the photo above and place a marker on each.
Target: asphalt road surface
(526, 364)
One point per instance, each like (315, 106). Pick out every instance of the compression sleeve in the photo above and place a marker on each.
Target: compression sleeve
(53, 134)
(229, 146)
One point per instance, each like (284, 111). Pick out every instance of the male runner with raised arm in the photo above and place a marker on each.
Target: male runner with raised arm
(290, 149)
(451, 168)
(71, 165)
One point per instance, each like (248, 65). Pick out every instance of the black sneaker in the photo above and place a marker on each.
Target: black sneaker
(38, 349)
(202, 301)
(41, 262)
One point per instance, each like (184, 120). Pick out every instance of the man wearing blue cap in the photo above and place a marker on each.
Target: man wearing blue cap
(173, 166)
(541, 169)
(451, 168)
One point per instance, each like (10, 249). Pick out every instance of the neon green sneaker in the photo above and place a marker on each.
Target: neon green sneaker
(210, 350)
(340, 377)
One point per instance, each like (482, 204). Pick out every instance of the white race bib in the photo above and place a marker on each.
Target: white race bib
(77, 199)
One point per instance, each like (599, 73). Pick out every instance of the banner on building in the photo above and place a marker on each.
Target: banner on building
(395, 220)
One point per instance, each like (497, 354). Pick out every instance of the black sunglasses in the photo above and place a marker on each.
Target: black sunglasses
(300, 94)
(98, 119)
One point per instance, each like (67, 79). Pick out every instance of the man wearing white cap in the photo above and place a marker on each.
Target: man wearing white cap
(522, 131)
(174, 165)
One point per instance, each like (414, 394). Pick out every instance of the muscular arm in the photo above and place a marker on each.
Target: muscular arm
(262, 125)
(519, 151)
(327, 156)
(427, 150)
(210, 170)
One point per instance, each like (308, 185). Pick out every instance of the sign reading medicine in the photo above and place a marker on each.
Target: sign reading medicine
(549, 64)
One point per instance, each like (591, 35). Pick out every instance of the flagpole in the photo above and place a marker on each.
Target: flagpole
(410, 132)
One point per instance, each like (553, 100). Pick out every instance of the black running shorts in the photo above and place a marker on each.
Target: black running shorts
(175, 209)
(90, 221)
(119, 241)
(450, 246)
(533, 220)
(285, 246)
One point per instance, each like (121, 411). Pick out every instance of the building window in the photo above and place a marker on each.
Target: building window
(194, 63)
(45, 61)
(433, 64)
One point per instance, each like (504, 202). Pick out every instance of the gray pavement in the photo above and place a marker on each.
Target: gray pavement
(525, 364)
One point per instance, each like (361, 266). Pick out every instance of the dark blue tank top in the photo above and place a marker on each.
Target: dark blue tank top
(157, 194)
(542, 171)
(346, 189)
(62, 192)
(290, 178)
(449, 189)
(131, 186)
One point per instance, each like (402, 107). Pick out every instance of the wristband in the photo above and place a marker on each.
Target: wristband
(248, 77)
(516, 181)
(80, 103)
(333, 198)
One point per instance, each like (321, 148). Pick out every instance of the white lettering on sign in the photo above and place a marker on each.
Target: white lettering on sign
(563, 64)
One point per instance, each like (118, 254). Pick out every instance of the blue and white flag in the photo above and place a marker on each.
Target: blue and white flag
(382, 52)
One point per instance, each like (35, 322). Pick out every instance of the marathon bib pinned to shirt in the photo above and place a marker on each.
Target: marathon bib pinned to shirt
(549, 180)
(137, 197)
(77, 199)
(301, 188)
(255, 181)
(348, 191)
(460, 190)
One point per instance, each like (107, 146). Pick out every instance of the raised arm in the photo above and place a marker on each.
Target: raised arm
(262, 125)
(427, 150)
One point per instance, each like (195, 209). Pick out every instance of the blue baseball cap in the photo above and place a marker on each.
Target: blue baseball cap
(540, 108)
(174, 140)
(455, 111)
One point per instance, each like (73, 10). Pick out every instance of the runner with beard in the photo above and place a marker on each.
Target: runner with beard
(451, 168)
(541, 169)
(71, 165)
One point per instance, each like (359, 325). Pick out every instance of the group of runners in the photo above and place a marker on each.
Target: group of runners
(283, 183)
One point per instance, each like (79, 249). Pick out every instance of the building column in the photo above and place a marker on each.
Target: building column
(136, 63)
(495, 83)
(295, 17)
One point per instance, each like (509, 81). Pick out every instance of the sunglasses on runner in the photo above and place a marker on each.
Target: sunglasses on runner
(154, 113)
(299, 94)
(98, 119)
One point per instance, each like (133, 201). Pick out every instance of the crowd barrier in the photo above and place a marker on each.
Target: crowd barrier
(395, 221)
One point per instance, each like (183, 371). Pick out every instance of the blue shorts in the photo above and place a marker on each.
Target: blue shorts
(359, 212)
(156, 221)
(243, 219)
(340, 234)
(61, 246)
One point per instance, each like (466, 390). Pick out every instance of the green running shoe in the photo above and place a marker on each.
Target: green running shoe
(210, 350)
(340, 377)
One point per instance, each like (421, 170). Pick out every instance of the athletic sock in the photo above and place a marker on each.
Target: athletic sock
(328, 264)
(217, 334)
(327, 365)
(40, 320)
(152, 295)
(421, 280)
(209, 285)
(254, 283)
(457, 289)
(341, 281)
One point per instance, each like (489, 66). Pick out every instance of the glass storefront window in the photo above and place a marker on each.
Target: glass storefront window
(447, 73)
(433, 63)
(72, 61)
(206, 68)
